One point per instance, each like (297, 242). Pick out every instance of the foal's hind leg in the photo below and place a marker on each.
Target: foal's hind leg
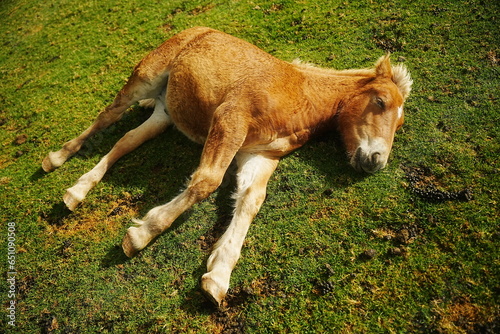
(137, 88)
(155, 125)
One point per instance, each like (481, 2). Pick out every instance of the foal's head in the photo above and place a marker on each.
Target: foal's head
(372, 114)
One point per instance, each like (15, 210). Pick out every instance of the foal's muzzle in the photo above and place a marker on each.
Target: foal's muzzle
(370, 158)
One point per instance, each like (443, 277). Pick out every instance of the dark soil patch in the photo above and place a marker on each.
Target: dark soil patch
(426, 186)
(229, 317)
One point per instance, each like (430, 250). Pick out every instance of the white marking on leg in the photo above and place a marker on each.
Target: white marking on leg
(253, 175)
(156, 221)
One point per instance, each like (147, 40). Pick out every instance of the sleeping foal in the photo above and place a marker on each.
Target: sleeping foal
(241, 103)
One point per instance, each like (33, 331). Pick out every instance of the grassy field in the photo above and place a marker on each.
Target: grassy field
(404, 250)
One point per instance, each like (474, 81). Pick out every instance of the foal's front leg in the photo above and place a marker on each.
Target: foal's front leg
(253, 174)
(224, 140)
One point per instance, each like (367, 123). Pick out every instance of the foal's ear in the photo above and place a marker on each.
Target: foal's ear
(383, 66)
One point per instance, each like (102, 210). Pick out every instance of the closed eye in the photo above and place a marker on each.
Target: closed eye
(380, 103)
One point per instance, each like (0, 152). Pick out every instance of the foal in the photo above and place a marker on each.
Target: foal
(242, 104)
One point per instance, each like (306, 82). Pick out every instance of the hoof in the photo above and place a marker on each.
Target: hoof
(131, 244)
(212, 290)
(52, 161)
(71, 200)
(47, 164)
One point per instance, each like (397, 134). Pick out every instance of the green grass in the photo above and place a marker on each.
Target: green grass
(302, 269)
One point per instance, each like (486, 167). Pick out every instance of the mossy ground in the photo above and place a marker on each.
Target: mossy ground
(330, 251)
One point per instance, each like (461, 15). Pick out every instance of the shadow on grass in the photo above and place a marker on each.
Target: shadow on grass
(115, 256)
(326, 154)
(57, 213)
(38, 174)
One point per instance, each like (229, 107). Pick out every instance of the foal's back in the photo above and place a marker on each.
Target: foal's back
(215, 68)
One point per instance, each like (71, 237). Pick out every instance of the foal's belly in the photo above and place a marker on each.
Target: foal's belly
(189, 108)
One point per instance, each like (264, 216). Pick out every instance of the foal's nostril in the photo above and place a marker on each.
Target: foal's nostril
(367, 162)
(375, 158)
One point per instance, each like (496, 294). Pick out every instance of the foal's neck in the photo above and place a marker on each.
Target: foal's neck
(326, 89)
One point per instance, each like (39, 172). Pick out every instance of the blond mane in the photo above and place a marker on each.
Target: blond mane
(312, 68)
(400, 74)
